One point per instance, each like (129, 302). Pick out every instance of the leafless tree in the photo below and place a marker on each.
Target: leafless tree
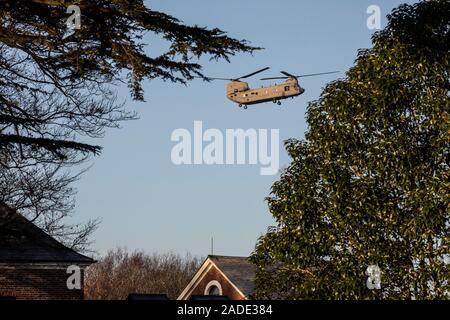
(57, 91)
(119, 273)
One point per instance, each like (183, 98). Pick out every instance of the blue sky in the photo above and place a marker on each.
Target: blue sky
(144, 200)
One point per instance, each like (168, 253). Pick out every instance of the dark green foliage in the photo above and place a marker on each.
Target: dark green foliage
(370, 185)
(42, 60)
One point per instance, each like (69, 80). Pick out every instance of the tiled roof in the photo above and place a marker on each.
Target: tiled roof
(239, 270)
(23, 242)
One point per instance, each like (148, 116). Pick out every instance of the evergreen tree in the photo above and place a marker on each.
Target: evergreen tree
(369, 187)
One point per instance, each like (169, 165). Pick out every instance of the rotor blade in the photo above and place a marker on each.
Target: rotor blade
(274, 78)
(288, 74)
(210, 79)
(252, 74)
(315, 74)
(222, 79)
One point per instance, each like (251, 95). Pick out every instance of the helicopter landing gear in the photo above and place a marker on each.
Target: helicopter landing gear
(278, 102)
(243, 106)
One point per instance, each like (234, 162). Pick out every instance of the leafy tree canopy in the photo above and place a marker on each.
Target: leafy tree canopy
(42, 58)
(370, 184)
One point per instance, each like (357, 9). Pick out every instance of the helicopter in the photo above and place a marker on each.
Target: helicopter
(239, 91)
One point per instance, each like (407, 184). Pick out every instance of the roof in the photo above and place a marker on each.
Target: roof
(239, 270)
(23, 242)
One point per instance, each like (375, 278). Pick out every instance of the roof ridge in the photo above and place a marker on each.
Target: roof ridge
(21, 228)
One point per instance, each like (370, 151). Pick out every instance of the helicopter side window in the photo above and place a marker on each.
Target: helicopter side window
(286, 88)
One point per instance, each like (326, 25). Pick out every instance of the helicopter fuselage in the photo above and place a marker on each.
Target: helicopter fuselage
(239, 92)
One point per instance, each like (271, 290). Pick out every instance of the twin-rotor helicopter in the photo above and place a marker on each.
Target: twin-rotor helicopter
(239, 91)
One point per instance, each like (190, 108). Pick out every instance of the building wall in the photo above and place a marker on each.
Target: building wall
(227, 289)
(37, 283)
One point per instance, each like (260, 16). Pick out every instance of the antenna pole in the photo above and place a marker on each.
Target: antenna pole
(212, 246)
